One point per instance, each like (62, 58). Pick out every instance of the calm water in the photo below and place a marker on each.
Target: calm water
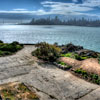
(89, 37)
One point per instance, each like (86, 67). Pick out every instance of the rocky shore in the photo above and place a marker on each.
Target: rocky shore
(49, 82)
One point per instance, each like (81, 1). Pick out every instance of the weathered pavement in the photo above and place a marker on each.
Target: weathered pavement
(48, 81)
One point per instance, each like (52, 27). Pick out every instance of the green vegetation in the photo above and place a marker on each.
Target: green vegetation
(82, 72)
(80, 57)
(99, 58)
(62, 63)
(74, 56)
(88, 76)
(47, 52)
(17, 91)
(69, 67)
(1, 41)
(23, 88)
(8, 94)
(71, 55)
(65, 65)
(8, 49)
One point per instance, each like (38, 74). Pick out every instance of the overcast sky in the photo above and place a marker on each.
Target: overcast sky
(50, 7)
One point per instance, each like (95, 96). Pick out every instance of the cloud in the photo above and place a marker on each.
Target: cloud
(67, 8)
(91, 3)
(37, 12)
(61, 8)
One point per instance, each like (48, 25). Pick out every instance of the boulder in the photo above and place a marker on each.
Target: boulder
(70, 48)
(87, 53)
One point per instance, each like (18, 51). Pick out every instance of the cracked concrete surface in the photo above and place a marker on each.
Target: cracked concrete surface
(48, 81)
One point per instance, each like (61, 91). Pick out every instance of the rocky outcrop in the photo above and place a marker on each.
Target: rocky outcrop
(79, 50)
(70, 48)
(87, 53)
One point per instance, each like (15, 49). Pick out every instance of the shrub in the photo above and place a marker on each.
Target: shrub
(7, 49)
(1, 53)
(80, 57)
(10, 47)
(69, 67)
(90, 76)
(80, 71)
(19, 47)
(62, 63)
(7, 53)
(71, 55)
(74, 56)
(64, 66)
(94, 76)
(99, 58)
(67, 55)
(15, 43)
(47, 52)
(1, 41)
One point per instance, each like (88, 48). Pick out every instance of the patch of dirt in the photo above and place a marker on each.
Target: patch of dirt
(90, 65)
(70, 61)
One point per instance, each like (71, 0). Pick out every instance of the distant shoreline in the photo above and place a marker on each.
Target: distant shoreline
(51, 25)
(56, 25)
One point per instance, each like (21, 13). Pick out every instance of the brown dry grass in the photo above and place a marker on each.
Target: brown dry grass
(90, 65)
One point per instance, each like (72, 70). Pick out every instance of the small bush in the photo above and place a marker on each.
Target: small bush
(69, 67)
(80, 57)
(19, 47)
(15, 43)
(99, 58)
(1, 53)
(47, 52)
(1, 41)
(62, 63)
(74, 56)
(64, 66)
(7, 49)
(79, 71)
(89, 76)
(67, 55)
